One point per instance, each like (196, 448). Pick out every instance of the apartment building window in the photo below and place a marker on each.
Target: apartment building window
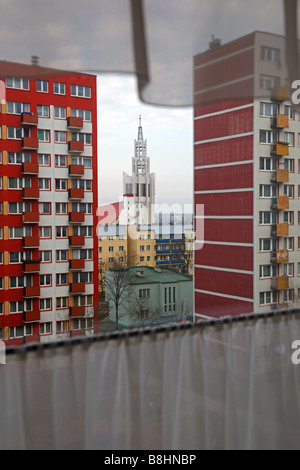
(61, 279)
(86, 254)
(44, 159)
(18, 207)
(45, 208)
(268, 82)
(270, 54)
(288, 217)
(42, 86)
(20, 331)
(17, 133)
(45, 328)
(59, 112)
(81, 91)
(110, 260)
(44, 135)
(1, 257)
(268, 137)
(83, 113)
(60, 137)
(86, 162)
(169, 299)
(20, 306)
(82, 207)
(43, 110)
(19, 232)
(121, 259)
(83, 300)
(289, 138)
(62, 302)
(17, 282)
(83, 230)
(267, 244)
(142, 248)
(267, 190)
(19, 256)
(267, 270)
(82, 184)
(288, 269)
(59, 88)
(61, 256)
(45, 232)
(62, 232)
(288, 190)
(1, 313)
(288, 243)
(121, 248)
(16, 158)
(18, 183)
(267, 164)
(81, 137)
(110, 248)
(46, 256)
(288, 111)
(18, 83)
(61, 184)
(266, 298)
(46, 304)
(289, 164)
(61, 161)
(268, 109)
(1, 283)
(46, 280)
(142, 258)
(288, 295)
(14, 107)
(61, 208)
(62, 326)
(85, 277)
(144, 293)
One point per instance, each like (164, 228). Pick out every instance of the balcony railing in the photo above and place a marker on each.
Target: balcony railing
(281, 121)
(31, 242)
(30, 143)
(280, 176)
(32, 291)
(32, 266)
(76, 217)
(31, 218)
(280, 202)
(280, 256)
(280, 149)
(77, 311)
(76, 240)
(76, 170)
(29, 168)
(280, 282)
(280, 93)
(74, 122)
(32, 316)
(75, 146)
(280, 230)
(76, 193)
(29, 119)
(31, 193)
(76, 264)
(77, 288)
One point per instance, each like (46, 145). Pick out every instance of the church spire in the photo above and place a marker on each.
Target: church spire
(140, 131)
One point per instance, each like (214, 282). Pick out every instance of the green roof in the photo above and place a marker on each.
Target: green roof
(152, 275)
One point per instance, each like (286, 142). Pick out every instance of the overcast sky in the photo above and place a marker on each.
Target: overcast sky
(169, 134)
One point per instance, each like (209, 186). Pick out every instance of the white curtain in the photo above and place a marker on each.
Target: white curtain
(229, 384)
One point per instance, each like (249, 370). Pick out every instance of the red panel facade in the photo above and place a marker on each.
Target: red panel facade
(215, 306)
(222, 282)
(224, 151)
(228, 177)
(223, 256)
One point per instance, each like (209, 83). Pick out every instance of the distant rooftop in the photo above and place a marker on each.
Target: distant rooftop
(152, 275)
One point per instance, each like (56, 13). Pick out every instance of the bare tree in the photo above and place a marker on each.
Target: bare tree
(117, 288)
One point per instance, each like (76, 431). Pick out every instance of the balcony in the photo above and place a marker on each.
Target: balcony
(280, 202)
(77, 311)
(280, 149)
(31, 193)
(280, 256)
(280, 93)
(77, 240)
(76, 264)
(280, 230)
(74, 122)
(32, 316)
(30, 143)
(77, 288)
(31, 242)
(75, 146)
(281, 121)
(76, 217)
(76, 170)
(32, 291)
(280, 176)
(76, 193)
(31, 218)
(279, 282)
(32, 266)
(30, 168)
(29, 119)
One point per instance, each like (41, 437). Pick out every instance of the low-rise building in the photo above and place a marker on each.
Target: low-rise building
(148, 295)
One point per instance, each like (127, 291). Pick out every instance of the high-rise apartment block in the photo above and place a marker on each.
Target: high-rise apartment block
(246, 173)
(49, 244)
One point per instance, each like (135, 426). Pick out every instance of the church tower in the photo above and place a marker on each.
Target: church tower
(139, 188)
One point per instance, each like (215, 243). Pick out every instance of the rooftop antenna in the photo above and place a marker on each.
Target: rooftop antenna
(140, 132)
(34, 60)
